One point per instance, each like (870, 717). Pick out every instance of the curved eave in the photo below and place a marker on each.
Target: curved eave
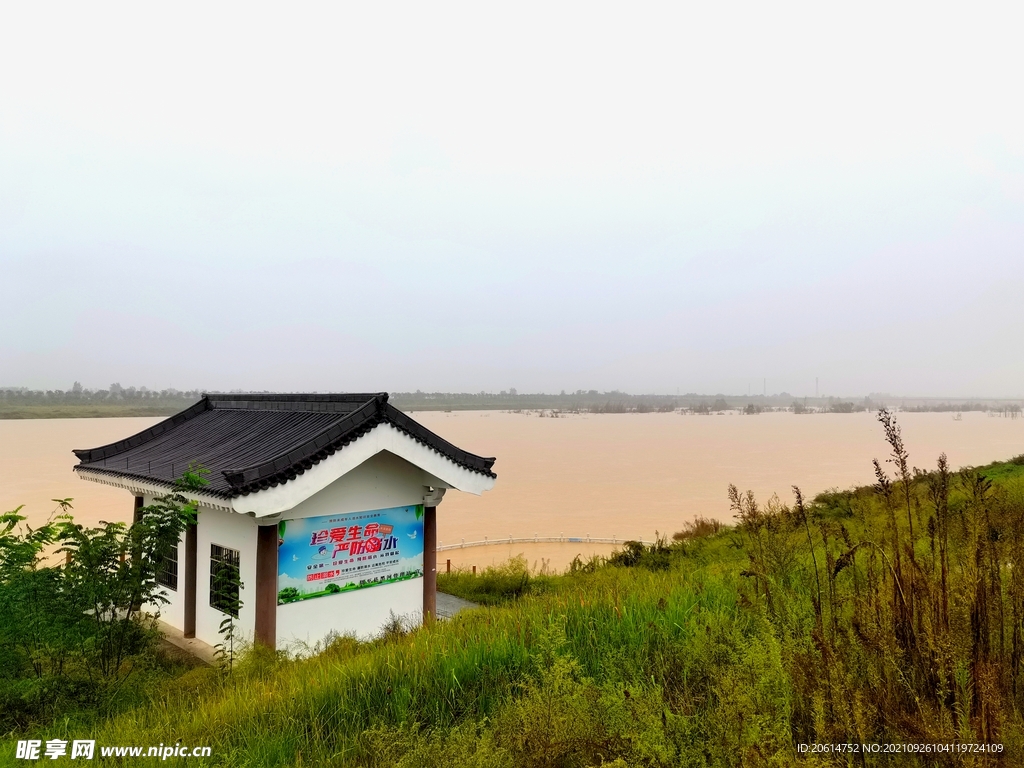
(383, 437)
(288, 466)
(288, 491)
(87, 455)
(141, 486)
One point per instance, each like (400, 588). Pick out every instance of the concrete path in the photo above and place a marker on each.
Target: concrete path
(449, 605)
(191, 645)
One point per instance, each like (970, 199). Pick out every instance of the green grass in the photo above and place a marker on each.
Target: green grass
(728, 647)
(1005, 472)
(629, 638)
(495, 585)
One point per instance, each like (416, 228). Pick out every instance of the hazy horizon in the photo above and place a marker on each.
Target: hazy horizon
(463, 198)
(857, 398)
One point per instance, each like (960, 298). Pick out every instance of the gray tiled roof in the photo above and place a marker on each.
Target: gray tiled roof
(252, 442)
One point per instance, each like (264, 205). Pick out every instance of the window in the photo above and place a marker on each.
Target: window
(167, 573)
(224, 579)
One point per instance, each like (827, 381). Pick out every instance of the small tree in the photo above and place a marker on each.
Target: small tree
(78, 630)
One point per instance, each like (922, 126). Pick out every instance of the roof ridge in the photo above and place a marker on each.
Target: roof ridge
(289, 402)
(286, 460)
(346, 397)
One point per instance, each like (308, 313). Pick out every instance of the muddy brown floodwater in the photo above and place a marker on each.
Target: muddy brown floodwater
(623, 475)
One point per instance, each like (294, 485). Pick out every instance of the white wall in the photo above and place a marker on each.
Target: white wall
(362, 613)
(226, 529)
(435, 469)
(383, 481)
(172, 613)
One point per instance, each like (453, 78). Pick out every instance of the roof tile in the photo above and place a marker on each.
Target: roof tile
(251, 442)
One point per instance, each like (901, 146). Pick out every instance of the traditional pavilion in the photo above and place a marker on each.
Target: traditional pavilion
(322, 506)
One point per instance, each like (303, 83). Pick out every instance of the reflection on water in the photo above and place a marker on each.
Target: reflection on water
(624, 475)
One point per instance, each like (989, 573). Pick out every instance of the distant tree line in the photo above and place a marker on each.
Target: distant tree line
(591, 401)
(15, 401)
(115, 393)
(1006, 409)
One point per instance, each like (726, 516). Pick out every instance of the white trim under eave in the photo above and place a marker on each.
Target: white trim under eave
(382, 437)
(142, 488)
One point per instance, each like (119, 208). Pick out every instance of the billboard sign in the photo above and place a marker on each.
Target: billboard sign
(333, 554)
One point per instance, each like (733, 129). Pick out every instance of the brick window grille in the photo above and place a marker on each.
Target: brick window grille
(167, 575)
(224, 579)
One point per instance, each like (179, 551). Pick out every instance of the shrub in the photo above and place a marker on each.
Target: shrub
(842, 408)
(71, 635)
(698, 528)
(495, 584)
(654, 557)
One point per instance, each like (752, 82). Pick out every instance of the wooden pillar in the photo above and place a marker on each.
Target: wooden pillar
(189, 628)
(429, 563)
(136, 516)
(266, 586)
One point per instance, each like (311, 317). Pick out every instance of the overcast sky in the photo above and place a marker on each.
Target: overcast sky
(545, 197)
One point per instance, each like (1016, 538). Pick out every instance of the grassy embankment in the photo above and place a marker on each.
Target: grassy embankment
(81, 403)
(86, 411)
(887, 614)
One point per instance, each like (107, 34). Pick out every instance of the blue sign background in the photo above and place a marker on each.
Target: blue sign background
(332, 554)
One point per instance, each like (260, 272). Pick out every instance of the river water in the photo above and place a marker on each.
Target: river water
(623, 475)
